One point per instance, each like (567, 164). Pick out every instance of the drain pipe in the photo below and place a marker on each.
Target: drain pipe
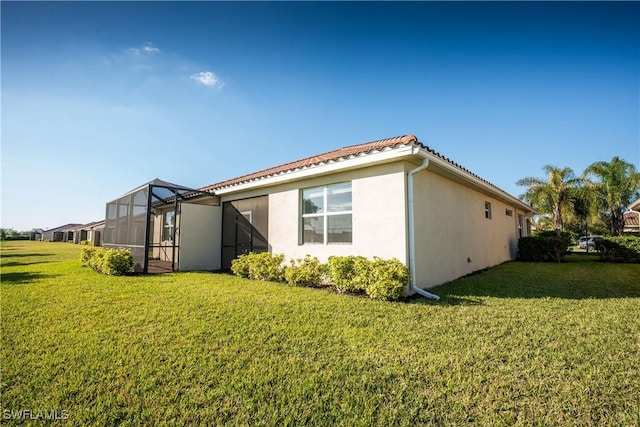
(411, 234)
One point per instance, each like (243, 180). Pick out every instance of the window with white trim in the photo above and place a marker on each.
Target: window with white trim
(487, 210)
(326, 214)
(168, 224)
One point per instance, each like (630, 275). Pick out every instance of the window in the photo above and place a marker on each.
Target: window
(487, 210)
(520, 221)
(326, 214)
(168, 225)
(508, 212)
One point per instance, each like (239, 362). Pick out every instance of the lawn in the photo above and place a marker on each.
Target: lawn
(520, 344)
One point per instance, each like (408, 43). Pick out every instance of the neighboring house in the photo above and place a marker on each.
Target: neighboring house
(64, 233)
(393, 198)
(36, 234)
(91, 232)
(632, 218)
(94, 233)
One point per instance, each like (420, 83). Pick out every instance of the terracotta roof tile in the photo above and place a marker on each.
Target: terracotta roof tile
(328, 157)
(338, 155)
(631, 219)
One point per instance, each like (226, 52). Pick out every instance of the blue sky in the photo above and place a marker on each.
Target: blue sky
(99, 97)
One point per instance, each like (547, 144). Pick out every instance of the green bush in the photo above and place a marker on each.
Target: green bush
(84, 242)
(387, 280)
(543, 247)
(240, 266)
(304, 272)
(117, 262)
(619, 248)
(112, 262)
(342, 272)
(95, 261)
(259, 266)
(86, 254)
(379, 279)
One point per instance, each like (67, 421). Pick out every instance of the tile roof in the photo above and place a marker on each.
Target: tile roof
(631, 219)
(339, 155)
(65, 227)
(328, 157)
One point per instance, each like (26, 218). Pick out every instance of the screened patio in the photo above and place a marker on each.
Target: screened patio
(167, 227)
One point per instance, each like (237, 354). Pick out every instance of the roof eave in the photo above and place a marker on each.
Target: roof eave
(325, 168)
(457, 174)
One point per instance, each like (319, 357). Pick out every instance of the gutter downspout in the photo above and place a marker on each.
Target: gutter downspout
(411, 235)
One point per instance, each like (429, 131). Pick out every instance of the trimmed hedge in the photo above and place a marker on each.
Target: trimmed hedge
(259, 266)
(619, 248)
(379, 278)
(543, 248)
(387, 279)
(343, 273)
(304, 272)
(112, 262)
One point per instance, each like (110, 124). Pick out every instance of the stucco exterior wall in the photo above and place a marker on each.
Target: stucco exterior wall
(378, 218)
(453, 237)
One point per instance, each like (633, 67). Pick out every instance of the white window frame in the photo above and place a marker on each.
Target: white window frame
(487, 210)
(324, 215)
(168, 227)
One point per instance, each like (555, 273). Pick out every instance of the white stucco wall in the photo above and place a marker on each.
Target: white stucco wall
(453, 237)
(379, 220)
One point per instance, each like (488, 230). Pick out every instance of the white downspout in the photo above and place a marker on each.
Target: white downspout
(411, 233)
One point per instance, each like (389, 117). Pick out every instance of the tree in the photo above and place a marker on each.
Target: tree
(617, 184)
(555, 195)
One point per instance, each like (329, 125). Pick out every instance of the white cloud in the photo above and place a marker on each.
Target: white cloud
(207, 78)
(147, 48)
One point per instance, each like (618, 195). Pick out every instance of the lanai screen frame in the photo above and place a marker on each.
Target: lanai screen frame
(128, 219)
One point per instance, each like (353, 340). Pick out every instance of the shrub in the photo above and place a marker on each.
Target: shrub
(84, 242)
(86, 254)
(117, 262)
(113, 262)
(240, 265)
(543, 248)
(95, 261)
(304, 272)
(619, 248)
(387, 279)
(342, 272)
(379, 279)
(259, 266)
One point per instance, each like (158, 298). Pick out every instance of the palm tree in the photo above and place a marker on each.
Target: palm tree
(618, 183)
(553, 196)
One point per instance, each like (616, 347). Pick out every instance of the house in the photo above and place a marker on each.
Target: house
(392, 198)
(631, 222)
(63, 233)
(36, 234)
(632, 218)
(90, 232)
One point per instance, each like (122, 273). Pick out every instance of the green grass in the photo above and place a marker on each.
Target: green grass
(520, 344)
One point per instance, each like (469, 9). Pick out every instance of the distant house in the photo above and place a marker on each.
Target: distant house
(631, 222)
(36, 234)
(64, 233)
(91, 232)
(389, 198)
(632, 218)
